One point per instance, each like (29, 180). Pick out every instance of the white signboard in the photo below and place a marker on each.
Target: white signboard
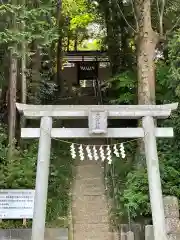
(16, 204)
(97, 122)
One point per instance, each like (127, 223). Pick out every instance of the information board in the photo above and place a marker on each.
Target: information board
(16, 204)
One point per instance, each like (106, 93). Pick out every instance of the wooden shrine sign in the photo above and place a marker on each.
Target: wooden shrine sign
(98, 116)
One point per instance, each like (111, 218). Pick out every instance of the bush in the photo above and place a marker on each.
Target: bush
(20, 173)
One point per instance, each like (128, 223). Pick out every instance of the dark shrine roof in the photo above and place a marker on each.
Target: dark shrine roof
(86, 53)
(73, 56)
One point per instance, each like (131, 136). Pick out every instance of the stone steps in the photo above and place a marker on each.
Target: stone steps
(93, 232)
(95, 236)
(90, 209)
(88, 187)
(90, 218)
(89, 204)
(89, 171)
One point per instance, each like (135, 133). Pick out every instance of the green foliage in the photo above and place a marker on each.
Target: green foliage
(163, 82)
(81, 21)
(90, 46)
(122, 88)
(135, 196)
(59, 184)
(132, 185)
(174, 61)
(20, 173)
(26, 23)
(29, 24)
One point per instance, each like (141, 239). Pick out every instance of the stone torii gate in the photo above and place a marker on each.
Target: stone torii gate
(97, 116)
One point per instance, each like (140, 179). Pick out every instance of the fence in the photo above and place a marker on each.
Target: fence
(141, 232)
(135, 232)
(25, 234)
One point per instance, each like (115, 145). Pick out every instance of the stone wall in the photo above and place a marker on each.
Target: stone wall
(25, 234)
(171, 211)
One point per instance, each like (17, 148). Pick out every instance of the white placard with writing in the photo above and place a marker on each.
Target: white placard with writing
(97, 122)
(16, 203)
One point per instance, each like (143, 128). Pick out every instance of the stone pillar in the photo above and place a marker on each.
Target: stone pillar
(171, 210)
(43, 163)
(122, 235)
(171, 207)
(154, 180)
(149, 232)
(130, 235)
(172, 221)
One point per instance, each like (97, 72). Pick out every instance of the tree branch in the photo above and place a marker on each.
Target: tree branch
(135, 16)
(59, 4)
(173, 26)
(160, 10)
(161, 17)
(126, 19)
(157, 3)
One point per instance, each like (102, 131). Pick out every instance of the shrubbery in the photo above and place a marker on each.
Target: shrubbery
(20, 173)
(131, 184)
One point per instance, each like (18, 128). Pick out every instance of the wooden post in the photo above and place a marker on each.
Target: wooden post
(155, 190)
(39, 216)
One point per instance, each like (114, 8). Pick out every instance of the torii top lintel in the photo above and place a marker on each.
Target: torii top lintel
(82, 111)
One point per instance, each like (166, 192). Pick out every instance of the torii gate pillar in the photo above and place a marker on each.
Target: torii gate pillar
(97, 129)
(155, 189)
(43, 163)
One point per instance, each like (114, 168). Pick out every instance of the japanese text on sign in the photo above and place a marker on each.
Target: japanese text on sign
(97, 122)
(16, 204)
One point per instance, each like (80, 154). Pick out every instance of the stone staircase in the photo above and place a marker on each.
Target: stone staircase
(89, 204)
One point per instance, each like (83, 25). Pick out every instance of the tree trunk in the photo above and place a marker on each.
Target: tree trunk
(23, 78)
(68, 42)
(76, 41)
(126, 61)
(59, 79)
(36, 77)
(5, 86)
(35, 66)
(12, 92)
(113, 37)
(60, 82)
(12, 103)
(146, 43)
(23, 70)
(116, 42)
